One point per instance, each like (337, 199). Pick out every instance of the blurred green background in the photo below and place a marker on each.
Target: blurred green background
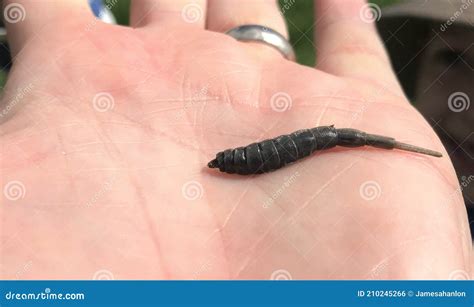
(299, 19)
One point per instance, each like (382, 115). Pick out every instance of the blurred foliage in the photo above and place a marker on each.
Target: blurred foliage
(3, 78)
(121, 10)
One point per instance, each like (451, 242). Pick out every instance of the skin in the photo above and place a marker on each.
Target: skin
(104, 190)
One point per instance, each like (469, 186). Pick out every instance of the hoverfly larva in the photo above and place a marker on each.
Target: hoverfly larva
(272, 154)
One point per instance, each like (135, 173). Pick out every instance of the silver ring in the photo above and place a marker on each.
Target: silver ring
(261, 34)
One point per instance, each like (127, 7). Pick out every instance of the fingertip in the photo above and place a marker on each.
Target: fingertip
(27, 19)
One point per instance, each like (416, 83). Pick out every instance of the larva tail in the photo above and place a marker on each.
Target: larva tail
(413, 148)
(353, 138)
(390, 143)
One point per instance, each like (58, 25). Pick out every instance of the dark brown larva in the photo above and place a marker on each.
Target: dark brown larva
(272, 154)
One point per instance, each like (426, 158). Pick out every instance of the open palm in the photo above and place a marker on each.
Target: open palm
(103, 155)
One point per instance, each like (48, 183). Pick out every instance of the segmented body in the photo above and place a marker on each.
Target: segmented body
(272, 154)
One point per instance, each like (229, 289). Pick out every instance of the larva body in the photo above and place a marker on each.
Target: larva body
(272, 154)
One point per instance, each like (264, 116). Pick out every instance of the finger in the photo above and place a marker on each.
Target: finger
(168, 12)
(224, 15)
(347, 41)
(27, 19)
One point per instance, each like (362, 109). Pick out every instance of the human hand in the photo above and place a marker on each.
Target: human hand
(109, 143)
